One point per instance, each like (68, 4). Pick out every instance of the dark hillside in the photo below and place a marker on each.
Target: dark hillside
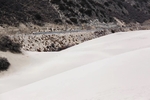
(13, 12)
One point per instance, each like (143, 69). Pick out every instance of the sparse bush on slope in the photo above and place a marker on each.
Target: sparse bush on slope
(13, 12)
(4, 64)
(6, 44)
(77, 12)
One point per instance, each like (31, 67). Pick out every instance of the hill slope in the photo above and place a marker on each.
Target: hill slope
(13, 12)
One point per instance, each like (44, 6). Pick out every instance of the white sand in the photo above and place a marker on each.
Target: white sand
(113, 67)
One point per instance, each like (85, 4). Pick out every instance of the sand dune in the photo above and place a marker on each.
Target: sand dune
(111, 67)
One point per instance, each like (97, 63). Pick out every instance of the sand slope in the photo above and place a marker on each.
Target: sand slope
(113, 67)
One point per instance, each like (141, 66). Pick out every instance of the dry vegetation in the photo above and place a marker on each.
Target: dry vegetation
(54, 42)
(4, 64)
(6, 44)
(61, 41)
(73, 12)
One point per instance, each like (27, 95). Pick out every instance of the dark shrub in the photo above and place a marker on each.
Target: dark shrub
(69, 22)
(38, 17)
(88, 12)
(70, 3)
(62, 7)
(56, 1)
(58, 21)
(4, 64)
(81, 10)
(74, 20)
(83, 21)
(106, 4)
(112, 31)
(6, 44)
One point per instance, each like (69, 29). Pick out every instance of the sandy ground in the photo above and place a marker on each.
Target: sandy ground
(112, 67)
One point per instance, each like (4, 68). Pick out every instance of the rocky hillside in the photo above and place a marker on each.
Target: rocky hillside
(73, 12)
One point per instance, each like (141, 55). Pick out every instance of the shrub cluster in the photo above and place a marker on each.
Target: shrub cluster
(4, 64)
(6, 44)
